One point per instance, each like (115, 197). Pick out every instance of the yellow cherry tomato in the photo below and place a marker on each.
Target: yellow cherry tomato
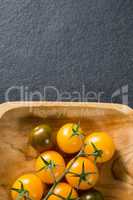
(69, 138)
(64, 191)
(101, 145)
(28, 184)
(49, 166)
(83, 174)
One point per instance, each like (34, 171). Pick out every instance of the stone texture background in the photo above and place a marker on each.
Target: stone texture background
(68, 44)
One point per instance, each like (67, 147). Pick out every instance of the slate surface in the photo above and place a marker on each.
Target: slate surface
(81, 47)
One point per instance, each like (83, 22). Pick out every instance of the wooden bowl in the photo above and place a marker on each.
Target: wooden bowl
(16, 157)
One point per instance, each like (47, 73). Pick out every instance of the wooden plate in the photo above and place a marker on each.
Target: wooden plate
(16, 157)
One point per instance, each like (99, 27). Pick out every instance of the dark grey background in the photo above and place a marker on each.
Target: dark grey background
(68, 44)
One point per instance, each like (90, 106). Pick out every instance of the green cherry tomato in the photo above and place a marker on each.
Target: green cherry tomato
(41, 138)
(92, 195)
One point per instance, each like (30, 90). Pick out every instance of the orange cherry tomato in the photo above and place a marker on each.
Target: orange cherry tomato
(64, 191)
(69, 138)
(28, 184)
(49, 166)
(101, 145)
(83, 174)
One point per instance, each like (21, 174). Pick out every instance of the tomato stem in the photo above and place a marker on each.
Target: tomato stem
(80, 154)
(75, 130)
(97, 153)
(22, 193)
(63, 175)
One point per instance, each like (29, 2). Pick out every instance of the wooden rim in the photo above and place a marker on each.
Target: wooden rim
(7, 106)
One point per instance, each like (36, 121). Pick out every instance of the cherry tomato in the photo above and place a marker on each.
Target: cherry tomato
(92, 195)
(101, 145)
(83, 174)
(64, 191)
(28, 184)
(49, 166)
(41, 138)
(69, 138)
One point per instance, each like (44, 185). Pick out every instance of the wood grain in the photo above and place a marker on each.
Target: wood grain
(16, 157)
